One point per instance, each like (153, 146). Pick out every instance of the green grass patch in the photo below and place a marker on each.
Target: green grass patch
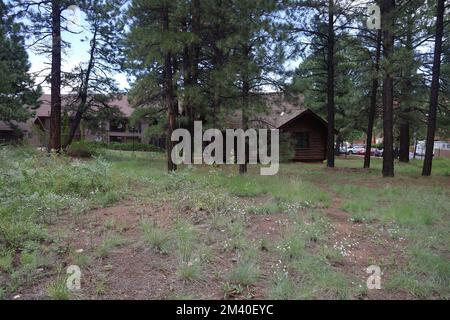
(158, 238)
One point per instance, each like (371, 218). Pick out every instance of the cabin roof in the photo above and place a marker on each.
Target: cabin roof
(9, 126)
(44, 110)
(279, 113)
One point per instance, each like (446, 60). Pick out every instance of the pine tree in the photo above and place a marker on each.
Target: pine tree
(324, 24)
(434, 95)
(373, 100)
(387, 25)
(45, 22)
(209, 52)
(155, 45)
(252, 58)
(411, 30)
(91, 83)
(17, 91)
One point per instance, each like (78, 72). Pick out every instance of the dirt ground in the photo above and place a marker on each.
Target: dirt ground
(132, 270)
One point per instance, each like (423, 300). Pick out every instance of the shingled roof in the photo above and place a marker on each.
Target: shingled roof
(9, 126)
(44, 110)
(279, 111)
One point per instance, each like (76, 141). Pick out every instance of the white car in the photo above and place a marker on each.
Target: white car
(358, 148)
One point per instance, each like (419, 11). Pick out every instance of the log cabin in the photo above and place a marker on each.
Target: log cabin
(307, 130)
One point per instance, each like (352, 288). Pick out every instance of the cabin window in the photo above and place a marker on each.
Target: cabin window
(118, 125)
(302, 140)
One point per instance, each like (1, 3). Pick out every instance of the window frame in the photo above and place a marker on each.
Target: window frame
(302, 141)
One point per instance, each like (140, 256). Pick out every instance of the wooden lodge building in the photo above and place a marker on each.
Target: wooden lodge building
(307, 130)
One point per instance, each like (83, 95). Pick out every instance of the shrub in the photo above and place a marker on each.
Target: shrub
(88, 149)
(82, 149)
(287, 147)
(129, 146)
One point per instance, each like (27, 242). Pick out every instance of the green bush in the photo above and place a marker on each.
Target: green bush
(82, 149)
(88, 149)
(287, 147)
(129, 146)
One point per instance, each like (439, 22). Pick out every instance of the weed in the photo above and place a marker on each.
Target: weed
(6, 261)
(108, 243)
(283, 288)
(158, 238)
(265, 209)
(57, 290)
(245, 273)
(101, 286)
(189, 270)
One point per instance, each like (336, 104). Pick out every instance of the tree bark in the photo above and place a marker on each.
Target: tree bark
(169, 96)
(55, 114)
(245, 105)
(83, 95)
(406, 96)
(434, 96)
(404, 142)
(373, 104)
(387, 25)
(330, 87)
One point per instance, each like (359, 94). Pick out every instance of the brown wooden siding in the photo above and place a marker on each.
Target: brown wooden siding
(317, 138)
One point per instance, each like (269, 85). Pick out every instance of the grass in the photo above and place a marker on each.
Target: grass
(58, 290)
(35, 189)
(214, 217)
(282, 288)
(101, 285)
(81, 259)
(246, 273)
(265, 209)
(244, 187)
(109, 242)
(158, 238)
(188, 271)
(6, 261)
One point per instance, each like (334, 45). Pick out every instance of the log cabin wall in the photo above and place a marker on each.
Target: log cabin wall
(317, 136)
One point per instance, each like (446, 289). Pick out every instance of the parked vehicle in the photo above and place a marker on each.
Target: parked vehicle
(343, 150)
(378, 152)
(359, 149)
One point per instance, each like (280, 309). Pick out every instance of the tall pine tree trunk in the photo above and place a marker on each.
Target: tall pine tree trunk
(434, 98)
(373, 104)
(83, 106)
(74, 125)
(387, 25)
(55, 114)
(244, 125)
(169, 96)
(406, 88)
(217, 60)
(404, 141)
(330, 86)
